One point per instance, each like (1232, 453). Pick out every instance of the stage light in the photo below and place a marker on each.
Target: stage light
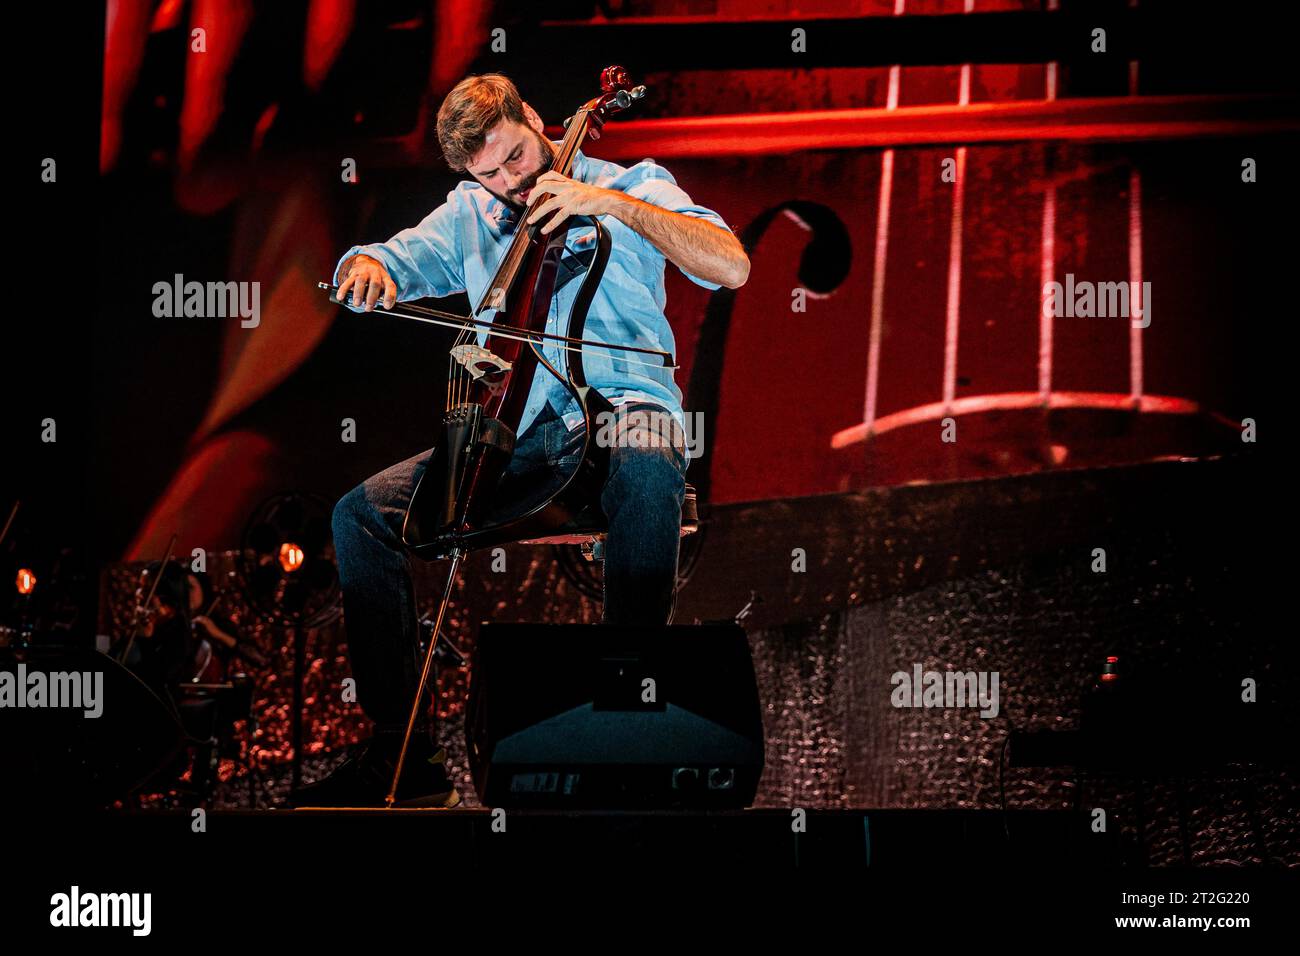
(1110, 673)
(291, 557)
(26, 581)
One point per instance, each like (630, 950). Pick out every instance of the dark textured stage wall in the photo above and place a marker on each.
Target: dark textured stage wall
(948, 577)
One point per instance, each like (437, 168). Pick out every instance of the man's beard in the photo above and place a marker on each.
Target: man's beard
(548, 157)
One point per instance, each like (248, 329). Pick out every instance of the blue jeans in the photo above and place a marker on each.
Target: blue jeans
(642, 500)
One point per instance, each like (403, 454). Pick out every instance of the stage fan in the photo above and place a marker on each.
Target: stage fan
(286, 561)
(290, 578)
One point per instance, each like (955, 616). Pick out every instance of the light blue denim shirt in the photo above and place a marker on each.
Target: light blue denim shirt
(456, 248)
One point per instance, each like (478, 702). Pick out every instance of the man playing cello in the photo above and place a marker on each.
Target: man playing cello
(486, 130)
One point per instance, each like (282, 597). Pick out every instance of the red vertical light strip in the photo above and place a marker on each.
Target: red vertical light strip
(1137, 301)
(1046, 276)
(954, 283)
(1048, 262)
(953, 324)
(882, 251)
(878, 283)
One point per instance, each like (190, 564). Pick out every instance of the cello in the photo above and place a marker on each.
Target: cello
(493, 363)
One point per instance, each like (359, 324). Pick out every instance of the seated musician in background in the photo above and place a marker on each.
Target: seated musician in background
(181, 640)
(486, 130)
(162, 654)
(220, 651)
(220, 646)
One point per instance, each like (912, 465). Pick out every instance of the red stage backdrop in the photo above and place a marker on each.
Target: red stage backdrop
(903, 222)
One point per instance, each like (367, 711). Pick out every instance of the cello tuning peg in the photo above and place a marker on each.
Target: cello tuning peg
(637, 92)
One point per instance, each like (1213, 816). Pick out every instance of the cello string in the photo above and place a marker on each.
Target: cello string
(453, 375)
(462, 390)
(466, 380)
(453, 384)
(451, 381)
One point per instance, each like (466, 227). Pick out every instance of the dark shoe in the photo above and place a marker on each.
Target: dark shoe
(363, 778)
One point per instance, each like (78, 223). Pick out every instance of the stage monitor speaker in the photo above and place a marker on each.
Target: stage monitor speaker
(582, 716)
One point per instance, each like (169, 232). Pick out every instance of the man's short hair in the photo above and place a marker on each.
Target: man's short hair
(474, 106)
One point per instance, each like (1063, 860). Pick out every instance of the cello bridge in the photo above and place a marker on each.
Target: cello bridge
(479, 361)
